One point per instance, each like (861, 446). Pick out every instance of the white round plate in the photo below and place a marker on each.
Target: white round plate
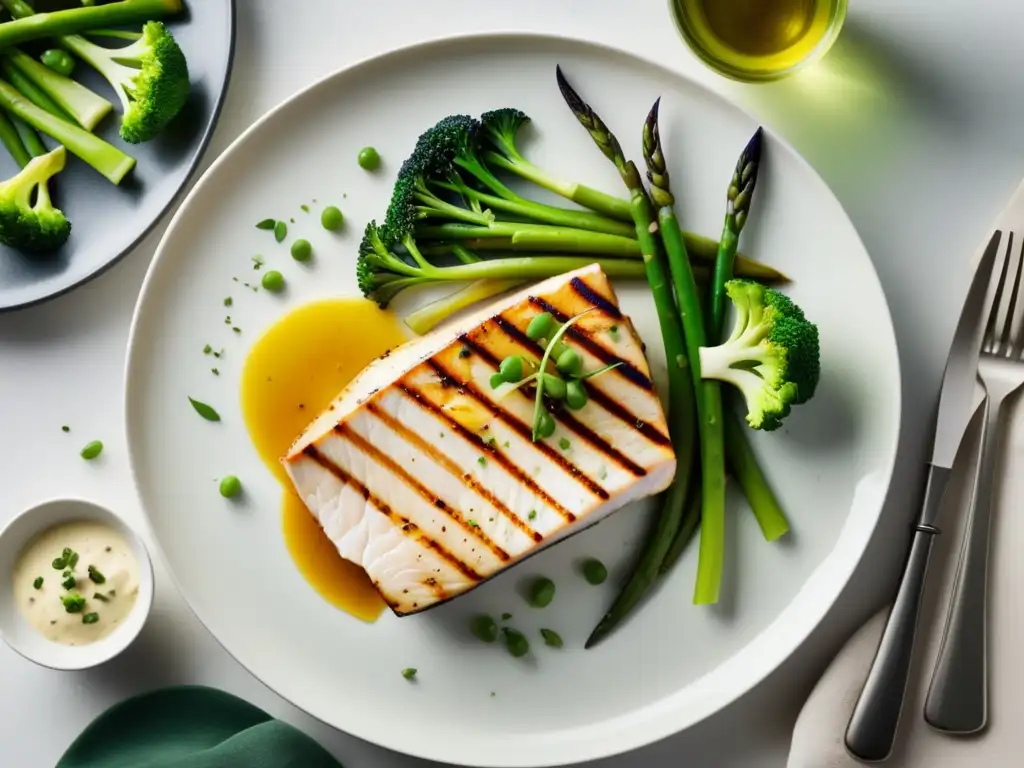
(674, 663)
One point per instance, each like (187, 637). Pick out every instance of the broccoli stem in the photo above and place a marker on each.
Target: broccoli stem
(538, 237)
(708, 392)
(12, 141)
(29, 137)
(681, 405)
(105, 158)
(547, 214)
(428, 317)
(487, 239)
(588, 197)
(743, 464)
(29, 25)
(85, 107)
(31, 91)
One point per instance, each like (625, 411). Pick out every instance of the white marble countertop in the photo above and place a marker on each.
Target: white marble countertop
(915, 119)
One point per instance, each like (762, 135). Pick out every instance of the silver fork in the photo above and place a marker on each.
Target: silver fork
(958, 695)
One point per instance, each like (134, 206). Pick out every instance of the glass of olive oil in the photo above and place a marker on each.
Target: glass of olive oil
(759, 40)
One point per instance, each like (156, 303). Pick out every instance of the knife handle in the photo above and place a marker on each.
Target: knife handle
(871, 732)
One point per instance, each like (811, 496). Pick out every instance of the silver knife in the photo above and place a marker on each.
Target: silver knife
(871, 732)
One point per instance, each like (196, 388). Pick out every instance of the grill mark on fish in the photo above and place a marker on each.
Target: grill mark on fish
(407, 527)
(499, 458)
(582, 430)
(429, 496)
(592, 296)
(625, 368)
(524, 431)
(599, 396)
(453, 469)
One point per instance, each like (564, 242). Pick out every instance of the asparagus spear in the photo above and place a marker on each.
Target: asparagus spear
(681, 396)
(742, 462)
(709, 394)
(737, 208)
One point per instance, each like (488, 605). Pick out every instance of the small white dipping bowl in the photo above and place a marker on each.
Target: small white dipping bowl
(19, 634)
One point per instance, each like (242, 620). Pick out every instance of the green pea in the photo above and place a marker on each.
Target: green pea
(331, 218)
(511, 369)
(545, 425)
(551, 638)
(230, 486)
(516, 642)
(575, 394)
(496, 380)
(554, 387)
(302, 250)
(540, 327)
(273, 281)
(60, 61)
(570, 363)
(92, 450)
(484, 628)
(369, 159)
(594, 571)
(542, 592)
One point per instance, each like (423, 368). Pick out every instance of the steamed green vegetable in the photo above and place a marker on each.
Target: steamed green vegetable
(681, 405)
(709, 396)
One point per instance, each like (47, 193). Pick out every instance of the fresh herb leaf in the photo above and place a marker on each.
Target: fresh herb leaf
(266, 224)
(95, 576)
(69, 583)
(551, 638)
(409, 673)
(204, 410)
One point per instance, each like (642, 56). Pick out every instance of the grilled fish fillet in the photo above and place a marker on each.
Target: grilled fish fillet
(422, 475)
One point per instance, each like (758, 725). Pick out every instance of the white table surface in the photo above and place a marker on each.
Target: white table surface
(915, 119)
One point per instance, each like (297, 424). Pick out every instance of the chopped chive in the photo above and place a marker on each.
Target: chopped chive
(492, 442)
(532, 515)
(38, 583)
(473, 523)
(258, 261)
(506, 444)
(236, 329)
(464, 353)
(95, 576)
(215, 372)
(207, 349)
(101, 597)
(90, 618)
(266, 224)
(564, 444)
(305, 208)
(482, 461)
(409, 673)
(228, 301)
(506, 616)
(65, 428)
(69, 583)
(551, 638)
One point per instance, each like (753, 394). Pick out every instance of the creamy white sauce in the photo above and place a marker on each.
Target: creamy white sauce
(97, 545)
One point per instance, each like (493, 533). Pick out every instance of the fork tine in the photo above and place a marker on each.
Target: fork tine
(1013, 268)
(997, 312)
(1015, 327)
(992, 328)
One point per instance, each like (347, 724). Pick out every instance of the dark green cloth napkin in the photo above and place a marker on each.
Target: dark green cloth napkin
(192, 727)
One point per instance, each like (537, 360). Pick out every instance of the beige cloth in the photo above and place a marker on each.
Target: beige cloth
(818, 739)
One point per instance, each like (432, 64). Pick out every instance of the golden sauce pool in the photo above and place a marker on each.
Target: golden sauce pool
(291, 374)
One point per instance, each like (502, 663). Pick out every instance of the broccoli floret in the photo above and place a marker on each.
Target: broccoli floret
(150, 77)
(28, 219)
(771, 356)
(501, 126)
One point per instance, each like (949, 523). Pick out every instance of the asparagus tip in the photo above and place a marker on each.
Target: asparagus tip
(573, 99)
(752, 152)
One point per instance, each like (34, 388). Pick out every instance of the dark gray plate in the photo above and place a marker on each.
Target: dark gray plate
(108, 221)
